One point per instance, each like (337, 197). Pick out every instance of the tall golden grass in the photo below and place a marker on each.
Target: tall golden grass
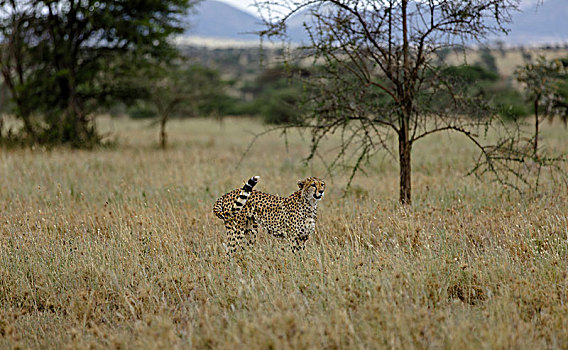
(117, 248)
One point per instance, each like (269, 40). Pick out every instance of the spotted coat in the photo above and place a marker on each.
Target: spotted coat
(292, 218)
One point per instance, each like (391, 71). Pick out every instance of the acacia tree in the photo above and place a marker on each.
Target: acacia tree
(177, 89)
(542, 83)
(60, 58)
(379, 78)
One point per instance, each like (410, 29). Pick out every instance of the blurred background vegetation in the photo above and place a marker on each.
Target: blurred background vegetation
(64, 67)
(233, 86)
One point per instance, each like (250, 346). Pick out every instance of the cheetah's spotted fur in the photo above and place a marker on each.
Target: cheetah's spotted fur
(293, 217)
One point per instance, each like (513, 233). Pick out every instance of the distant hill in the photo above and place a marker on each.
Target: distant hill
(534, 25)
(216, 19)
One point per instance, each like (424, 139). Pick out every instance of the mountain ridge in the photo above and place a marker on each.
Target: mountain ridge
(219, 20)
(544, 24)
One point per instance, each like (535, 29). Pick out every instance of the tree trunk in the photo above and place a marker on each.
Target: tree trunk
(404, 152)
(404, 142)
(22, 111)
(24, 115)
(536, 126)
(2, 97)
(163, 136)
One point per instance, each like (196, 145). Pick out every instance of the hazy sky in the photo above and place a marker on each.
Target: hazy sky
(242, 4)
(246, 4)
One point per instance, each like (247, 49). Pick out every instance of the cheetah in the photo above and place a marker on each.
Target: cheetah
(292, 218)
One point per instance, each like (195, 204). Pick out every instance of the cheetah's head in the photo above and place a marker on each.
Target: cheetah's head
(312, 188)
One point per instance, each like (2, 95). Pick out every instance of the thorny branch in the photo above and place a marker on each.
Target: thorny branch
(375, 78)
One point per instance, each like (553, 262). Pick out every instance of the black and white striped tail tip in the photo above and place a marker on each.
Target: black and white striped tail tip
(251, 183)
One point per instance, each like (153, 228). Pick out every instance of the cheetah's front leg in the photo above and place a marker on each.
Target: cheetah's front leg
(302, 233)
(298, 239)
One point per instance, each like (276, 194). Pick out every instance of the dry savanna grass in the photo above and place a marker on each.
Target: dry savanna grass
(118, 248)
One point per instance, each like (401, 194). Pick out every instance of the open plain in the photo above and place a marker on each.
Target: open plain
(118, 248)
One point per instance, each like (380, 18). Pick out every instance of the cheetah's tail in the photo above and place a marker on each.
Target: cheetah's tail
(244, 194)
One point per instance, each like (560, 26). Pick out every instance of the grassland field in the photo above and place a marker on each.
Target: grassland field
(118, 248)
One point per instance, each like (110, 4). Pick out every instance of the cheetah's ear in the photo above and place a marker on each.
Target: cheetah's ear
(301, 183)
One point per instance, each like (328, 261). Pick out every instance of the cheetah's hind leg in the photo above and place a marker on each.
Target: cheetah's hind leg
(251, 231)
(231, 241)
(235, 237)
(236, 234)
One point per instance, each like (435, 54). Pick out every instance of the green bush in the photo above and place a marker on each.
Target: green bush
(283, 107)
(508, 101)
(469, 74)
(141, 111)
(277, 95)
(480, 81)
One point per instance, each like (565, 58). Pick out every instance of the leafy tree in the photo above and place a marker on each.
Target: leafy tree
(278, 96)
(482, 82)
(488, 60)
(544, 83)
(178, 90)
(507, 100)
(470, 74)
(14, 63)
(443, 55)
(60, 58)
(380, 78)
(562, 101)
